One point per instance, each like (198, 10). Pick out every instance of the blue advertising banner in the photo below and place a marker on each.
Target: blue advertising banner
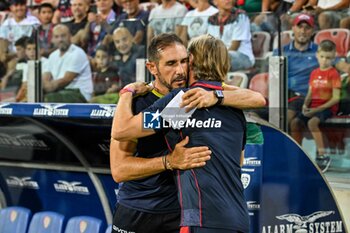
(68, 193)
(58, 110)
(252, 180)
(295, 197)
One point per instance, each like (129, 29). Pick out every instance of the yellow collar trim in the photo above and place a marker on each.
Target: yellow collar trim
(156, 93)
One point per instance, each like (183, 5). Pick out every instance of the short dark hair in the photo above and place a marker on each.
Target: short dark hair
(30, 41)
(327, 46)
(160, 42)
(22, 41)
(103, 48)
(46, 5)
(18, 2)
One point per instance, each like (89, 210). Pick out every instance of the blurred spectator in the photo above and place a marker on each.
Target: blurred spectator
(321, 101)
(106, 80)
(19, 24)
(126, 54)
(149, 5)
(67, 77)
(101, 26)
(232, 26)
(63, 13)
(134, 19)
(301, 62)
(117, 7)
(329, 13)
(79, 24)
(14, 74)
(80, 9)
(45, 29)
(165, 17)
(281, 7)
(30, 52)
(195, 22)
(286, 10)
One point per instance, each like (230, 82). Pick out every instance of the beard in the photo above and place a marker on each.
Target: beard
(169, 86)
(63, 47)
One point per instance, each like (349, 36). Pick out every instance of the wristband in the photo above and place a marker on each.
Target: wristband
(164, 162)
(127, 89)
(167, 164)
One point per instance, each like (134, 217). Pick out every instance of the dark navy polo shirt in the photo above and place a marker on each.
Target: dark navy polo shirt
(212, 196)
(299, 66)
(155, 194)
(137, 24)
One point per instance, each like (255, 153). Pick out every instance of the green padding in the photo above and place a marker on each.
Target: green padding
(111, 98)
(65, 96)
(254, 134)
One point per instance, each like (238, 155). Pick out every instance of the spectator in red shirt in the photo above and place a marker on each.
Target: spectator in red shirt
(321, 101)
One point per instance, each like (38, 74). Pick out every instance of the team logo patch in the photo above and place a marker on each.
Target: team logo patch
(245, 178)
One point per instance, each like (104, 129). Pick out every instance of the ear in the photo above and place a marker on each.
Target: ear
(190, 59)
(151, 66)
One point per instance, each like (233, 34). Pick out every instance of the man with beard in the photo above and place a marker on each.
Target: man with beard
(67, 78)
(148, 197)
(77, 25)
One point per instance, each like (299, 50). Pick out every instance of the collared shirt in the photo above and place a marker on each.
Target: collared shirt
(139, 23)
(300, 64)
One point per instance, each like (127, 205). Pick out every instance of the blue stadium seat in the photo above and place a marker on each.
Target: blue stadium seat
(46, 222)
(14, 219)
(109, 229)
(83, 224)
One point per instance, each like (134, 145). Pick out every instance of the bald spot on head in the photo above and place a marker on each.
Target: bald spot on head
(121, 31)
(123, 40)
(61, 37)
(61, 28)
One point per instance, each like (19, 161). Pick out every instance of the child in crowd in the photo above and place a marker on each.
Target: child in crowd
(13, 77)
(45, 15)
(30, 50)
(106, 81)
(321, 101)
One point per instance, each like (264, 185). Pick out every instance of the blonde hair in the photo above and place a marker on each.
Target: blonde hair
(211, 60)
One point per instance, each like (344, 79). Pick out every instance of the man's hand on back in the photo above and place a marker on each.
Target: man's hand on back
(184, 158)
(198, 98)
